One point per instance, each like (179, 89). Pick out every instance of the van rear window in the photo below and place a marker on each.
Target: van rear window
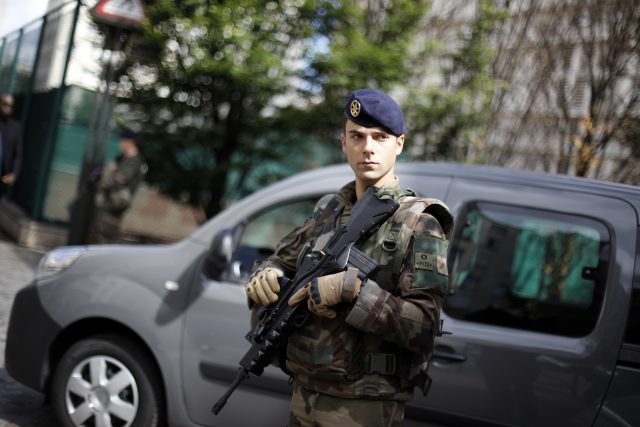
(528, 269)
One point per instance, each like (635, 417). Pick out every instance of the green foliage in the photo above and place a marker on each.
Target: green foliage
(209, 94)
(232, 95)
(232, 87)
(366, 45)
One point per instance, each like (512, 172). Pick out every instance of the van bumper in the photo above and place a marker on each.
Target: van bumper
(30, 334)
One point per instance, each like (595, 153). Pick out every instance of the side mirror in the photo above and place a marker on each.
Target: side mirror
(218, 259)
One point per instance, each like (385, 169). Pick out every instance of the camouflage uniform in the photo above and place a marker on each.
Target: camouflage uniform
(116, 188)
(370, 356)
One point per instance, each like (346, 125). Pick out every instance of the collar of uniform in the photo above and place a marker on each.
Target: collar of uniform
(394, 192)
(347, 194)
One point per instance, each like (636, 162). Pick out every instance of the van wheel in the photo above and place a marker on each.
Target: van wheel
(107, 381)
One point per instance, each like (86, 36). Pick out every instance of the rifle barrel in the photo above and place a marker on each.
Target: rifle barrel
(242, 375)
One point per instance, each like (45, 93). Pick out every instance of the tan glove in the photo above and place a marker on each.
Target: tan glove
(326, 291)
(263, 287)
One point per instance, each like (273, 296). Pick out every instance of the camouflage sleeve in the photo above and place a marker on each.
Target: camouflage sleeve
(124, 174)
(409, 316)
(129, 172)
(107, 177)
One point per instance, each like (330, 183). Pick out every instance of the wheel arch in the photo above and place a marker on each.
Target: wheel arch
(91, 327)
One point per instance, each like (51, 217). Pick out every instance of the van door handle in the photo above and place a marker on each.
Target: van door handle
(448, 354)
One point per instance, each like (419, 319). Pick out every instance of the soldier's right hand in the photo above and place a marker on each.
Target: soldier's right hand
(263, 287)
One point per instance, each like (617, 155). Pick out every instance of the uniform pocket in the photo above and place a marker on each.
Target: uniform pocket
(323, 349)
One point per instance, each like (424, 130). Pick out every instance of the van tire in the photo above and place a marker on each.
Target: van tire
(111, 377)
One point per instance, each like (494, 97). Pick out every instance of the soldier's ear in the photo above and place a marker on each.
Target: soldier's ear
(343, 140)
(399, 144)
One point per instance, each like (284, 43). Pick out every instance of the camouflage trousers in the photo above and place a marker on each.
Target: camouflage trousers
(311, 408)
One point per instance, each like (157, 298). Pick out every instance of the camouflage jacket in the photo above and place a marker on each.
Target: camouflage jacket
(119, 182)
(380, 346)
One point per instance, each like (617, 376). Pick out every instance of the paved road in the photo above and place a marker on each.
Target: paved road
(19, 406)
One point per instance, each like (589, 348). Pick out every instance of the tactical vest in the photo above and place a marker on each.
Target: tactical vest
(390, 244)
(330, 356)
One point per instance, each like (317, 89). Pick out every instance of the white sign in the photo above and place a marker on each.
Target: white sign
(120, 12)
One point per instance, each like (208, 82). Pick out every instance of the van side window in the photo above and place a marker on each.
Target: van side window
(528, 269)
(262, 232)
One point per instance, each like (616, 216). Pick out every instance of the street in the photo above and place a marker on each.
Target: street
(19, 405)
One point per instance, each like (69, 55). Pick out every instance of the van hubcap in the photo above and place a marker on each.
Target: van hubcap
(101, 392)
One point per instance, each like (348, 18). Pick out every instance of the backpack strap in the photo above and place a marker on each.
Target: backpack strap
(401, 229)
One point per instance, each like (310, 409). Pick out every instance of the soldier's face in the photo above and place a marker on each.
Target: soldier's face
(371, 153)
(125, 144)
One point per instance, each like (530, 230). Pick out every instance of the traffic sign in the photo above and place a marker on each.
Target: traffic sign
(120, 13)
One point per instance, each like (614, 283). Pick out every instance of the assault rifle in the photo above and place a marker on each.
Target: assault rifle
(279, 320)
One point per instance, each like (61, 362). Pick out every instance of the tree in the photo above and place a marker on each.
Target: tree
(211, 91)
(236, 85)
(454, 82)
(609, 33)
(358, 44)
(572, 88)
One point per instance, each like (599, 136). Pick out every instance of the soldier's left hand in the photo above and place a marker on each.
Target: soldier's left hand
(263, 287)
(326, 291)
(8, 179)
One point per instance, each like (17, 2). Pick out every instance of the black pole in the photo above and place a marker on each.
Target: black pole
(98, 133)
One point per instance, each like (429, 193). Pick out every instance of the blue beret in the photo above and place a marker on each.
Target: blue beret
(128, 134)
(372, 108)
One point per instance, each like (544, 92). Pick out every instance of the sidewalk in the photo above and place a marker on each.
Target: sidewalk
(19, 406)
(17, 266)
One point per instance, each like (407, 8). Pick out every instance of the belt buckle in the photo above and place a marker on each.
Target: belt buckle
(380, 363)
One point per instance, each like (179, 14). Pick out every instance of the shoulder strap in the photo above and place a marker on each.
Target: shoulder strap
(406, 217)
(401, 226)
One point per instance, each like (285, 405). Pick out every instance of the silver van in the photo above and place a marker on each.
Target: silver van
(544, 320)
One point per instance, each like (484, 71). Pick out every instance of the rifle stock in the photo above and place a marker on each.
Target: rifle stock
(279, 320)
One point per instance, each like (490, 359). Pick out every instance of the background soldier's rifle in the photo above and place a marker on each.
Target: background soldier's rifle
(279, 320)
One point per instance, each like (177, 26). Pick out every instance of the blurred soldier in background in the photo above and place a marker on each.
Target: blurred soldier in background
(115, 189)
(10, 144)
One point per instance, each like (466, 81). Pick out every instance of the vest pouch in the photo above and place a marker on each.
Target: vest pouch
(326, 350)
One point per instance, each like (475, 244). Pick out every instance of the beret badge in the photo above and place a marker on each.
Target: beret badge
(355, 108)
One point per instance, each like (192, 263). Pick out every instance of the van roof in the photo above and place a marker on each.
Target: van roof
(628, 193)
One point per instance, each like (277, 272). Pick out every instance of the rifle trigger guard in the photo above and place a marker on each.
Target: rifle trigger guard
(303, 253)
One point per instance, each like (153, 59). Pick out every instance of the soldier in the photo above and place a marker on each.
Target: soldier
(10, 144)
(370, 339)
(115, 190)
